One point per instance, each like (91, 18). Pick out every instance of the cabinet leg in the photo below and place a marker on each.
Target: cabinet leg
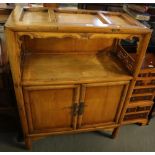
(144, 124)
(148, 121)
(28, 143)
(115, 132)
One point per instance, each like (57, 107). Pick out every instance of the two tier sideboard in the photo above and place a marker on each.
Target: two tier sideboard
(70, 71)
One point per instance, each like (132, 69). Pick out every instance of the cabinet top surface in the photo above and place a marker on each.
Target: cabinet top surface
(46, 19)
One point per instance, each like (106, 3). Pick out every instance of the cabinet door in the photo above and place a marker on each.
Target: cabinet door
(51, 108)
(101, 103)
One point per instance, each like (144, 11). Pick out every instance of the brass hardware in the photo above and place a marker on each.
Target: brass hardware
(78, 109)
(115, 30)
(81, 108)
(75, 109)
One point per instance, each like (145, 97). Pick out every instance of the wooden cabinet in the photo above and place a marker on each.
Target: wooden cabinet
(70, 72)
(69, 107)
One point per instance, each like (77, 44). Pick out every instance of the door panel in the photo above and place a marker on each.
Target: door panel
(102, 103)
(51, 108)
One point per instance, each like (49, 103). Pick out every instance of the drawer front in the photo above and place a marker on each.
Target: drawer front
(145, 82)
(136, 116)
(138, 109)
(143, 90)
(141, 98)
(146, 78)
(51, 108)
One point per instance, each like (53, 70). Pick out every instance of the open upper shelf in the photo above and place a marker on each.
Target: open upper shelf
(72, 68)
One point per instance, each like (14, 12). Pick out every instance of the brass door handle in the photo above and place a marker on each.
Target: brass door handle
(75, 109)
(81, 108)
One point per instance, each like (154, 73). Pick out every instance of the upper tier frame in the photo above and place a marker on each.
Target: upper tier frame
(47, 19)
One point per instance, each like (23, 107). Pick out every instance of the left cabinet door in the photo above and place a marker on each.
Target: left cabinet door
(51, 108)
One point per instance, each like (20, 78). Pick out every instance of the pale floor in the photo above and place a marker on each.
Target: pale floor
(130, 138)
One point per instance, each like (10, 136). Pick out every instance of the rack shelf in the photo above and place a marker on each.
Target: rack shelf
(72, 68)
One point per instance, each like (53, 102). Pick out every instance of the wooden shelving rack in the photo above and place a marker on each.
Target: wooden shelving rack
(141, 101)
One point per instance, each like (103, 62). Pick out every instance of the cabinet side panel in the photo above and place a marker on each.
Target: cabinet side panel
(13, 50)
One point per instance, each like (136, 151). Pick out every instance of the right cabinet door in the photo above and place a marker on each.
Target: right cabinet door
(101, 103)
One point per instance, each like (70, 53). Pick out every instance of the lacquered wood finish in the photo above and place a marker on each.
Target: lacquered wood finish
(70, 73)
